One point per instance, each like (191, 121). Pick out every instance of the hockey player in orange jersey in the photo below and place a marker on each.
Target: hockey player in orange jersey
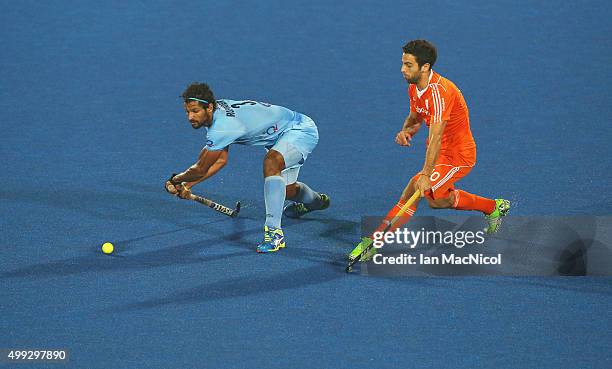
(451, 150)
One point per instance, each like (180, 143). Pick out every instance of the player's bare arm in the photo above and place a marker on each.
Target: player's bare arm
(436, 130)
(208, 164)
(289, 137)
(214, 168)
(434, 96)
(409, 129)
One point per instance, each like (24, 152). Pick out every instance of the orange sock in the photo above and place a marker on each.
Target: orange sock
(467, 201)
(402, 219)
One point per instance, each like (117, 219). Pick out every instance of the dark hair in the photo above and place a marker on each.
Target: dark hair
(200, 91)
(423, 51)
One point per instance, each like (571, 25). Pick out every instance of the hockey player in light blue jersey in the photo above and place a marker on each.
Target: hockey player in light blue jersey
(288, 136)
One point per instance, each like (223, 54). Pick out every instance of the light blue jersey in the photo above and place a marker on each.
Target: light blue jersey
(292, 134)
(249, 123)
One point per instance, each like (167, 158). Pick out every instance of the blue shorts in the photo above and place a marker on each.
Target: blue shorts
(295, 145)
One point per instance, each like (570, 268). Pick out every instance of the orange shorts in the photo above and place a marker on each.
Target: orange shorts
(444, 176)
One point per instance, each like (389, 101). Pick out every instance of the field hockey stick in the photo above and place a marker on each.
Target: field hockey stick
(408, 204)
(218, 207)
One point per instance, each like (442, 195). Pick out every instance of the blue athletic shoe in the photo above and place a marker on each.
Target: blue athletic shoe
(274, 240)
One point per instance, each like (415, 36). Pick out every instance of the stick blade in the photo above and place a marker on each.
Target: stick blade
(236, 210)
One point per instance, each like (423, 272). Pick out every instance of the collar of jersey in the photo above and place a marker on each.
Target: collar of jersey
(420, 93)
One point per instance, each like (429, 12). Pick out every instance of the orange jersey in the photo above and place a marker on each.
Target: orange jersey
(442, 101)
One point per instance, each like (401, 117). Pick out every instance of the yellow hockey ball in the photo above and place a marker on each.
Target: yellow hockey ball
(108, 248)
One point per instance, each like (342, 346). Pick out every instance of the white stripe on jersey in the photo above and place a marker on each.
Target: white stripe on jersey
(445, 179)
(437, 107)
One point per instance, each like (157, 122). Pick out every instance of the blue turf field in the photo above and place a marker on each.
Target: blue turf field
(92, 125)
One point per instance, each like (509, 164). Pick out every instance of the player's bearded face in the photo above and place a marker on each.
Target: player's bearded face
(410, 68)
(197, 115)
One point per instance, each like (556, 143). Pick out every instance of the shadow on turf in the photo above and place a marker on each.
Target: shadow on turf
(116, 206)
(176, 255)
(239, 287)
(188, 253)
(330, 266)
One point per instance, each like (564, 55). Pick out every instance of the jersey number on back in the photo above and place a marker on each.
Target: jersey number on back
(248, 102)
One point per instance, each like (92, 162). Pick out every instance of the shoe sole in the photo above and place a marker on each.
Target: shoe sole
(281, 246)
